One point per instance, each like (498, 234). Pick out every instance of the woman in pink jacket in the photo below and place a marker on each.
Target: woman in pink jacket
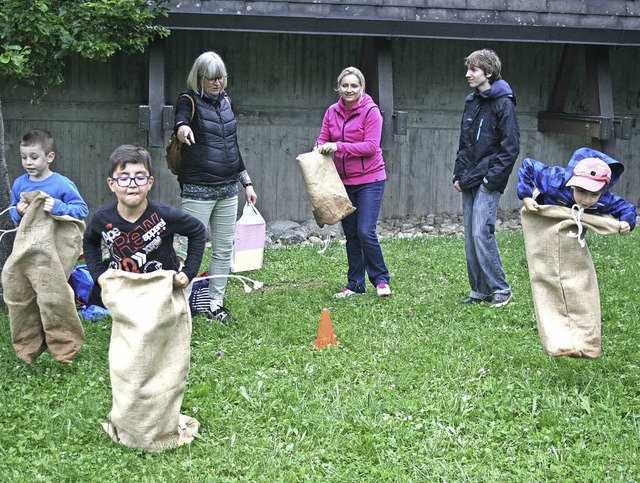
(351, 131)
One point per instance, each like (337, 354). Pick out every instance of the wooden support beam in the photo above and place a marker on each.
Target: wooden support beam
(378, 73)
(156, 94)
(600, 88)
(155, 117)
(602, 128)
(562, 83)
(600, 124)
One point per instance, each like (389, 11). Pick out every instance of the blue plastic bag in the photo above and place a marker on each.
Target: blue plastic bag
(82, 284)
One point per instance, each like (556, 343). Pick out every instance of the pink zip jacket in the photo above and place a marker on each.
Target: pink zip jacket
(356, 131)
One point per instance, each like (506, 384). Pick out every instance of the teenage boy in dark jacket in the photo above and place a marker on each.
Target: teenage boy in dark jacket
(489, 146)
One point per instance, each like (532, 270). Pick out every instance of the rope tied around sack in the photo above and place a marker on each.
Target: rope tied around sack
(576, 213)
(4, 232)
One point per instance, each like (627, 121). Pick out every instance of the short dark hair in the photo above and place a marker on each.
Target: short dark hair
(487, 61)
(39, 137)
(128, 154)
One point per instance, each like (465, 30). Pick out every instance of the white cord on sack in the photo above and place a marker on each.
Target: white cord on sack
(4, 232)
(256, 284)
(326, 244)
(576, 213)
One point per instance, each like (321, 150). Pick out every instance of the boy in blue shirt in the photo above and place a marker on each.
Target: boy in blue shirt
(37, 152)
(585, 182)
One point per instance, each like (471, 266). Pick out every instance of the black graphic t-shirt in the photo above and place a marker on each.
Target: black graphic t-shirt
(145, 245)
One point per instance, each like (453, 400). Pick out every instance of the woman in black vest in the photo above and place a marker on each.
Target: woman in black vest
(211, 167)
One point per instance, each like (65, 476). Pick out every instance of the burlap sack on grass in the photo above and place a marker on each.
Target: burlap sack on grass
(563, 280)
(326, 192)
(148, 360)
(42, 309)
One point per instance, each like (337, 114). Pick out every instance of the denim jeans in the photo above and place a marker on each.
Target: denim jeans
(484, 267)
(219, 216)
(363, 249)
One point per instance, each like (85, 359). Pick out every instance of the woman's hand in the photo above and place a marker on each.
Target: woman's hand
(250, 194)
(456, 185)
(327, 148)
(185, 135)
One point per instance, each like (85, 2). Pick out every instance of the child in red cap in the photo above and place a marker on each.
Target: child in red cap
(585, 182)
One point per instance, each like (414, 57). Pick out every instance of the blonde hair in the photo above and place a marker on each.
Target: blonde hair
(350, 71)
(209, 65)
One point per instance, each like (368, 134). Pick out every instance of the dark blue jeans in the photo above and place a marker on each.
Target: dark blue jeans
(363, 249)
(484, 267)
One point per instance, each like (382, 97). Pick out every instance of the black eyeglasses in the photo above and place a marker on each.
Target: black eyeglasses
(219, 80)
(125, 181)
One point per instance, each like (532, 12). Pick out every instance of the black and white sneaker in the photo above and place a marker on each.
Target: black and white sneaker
(472, 301)
(220, 314)
(500, 299)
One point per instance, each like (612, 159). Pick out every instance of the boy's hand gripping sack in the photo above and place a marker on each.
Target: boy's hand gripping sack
(325, 189)
(249, 238)
(42, 309)
(563, 279)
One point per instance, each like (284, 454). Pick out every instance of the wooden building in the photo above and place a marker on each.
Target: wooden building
(573, 64)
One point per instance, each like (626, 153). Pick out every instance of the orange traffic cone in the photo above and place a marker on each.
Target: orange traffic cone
(325, 332)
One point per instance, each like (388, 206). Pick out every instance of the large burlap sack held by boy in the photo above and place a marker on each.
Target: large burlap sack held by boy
(326, 192)
(563, 279)
(42, 309)
(148, 359)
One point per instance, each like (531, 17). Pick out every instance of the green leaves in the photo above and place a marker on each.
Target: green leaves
(38, 36)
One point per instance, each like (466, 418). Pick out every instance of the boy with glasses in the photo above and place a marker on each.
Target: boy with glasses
(136, 231)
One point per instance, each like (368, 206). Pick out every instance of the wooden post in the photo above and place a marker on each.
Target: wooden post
(378, 73)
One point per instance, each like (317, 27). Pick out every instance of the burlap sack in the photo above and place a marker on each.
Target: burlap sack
(563, 279)
(326, 192)
(148, 359)
(42, 309)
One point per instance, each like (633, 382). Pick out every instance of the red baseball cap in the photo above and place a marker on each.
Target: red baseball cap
(591, 174)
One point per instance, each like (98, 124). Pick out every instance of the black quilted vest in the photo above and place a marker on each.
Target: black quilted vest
(214, 159)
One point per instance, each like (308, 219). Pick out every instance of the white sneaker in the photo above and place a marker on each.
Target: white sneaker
(383, 290)
(345, 293)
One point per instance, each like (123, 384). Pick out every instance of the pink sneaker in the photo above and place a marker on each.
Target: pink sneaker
(383, 290)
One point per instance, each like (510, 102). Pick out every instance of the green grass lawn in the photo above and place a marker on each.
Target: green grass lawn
(419, 389)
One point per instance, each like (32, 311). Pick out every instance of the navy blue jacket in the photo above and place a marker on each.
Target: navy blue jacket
(489, 139)
(551, 182)
(215, 157)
